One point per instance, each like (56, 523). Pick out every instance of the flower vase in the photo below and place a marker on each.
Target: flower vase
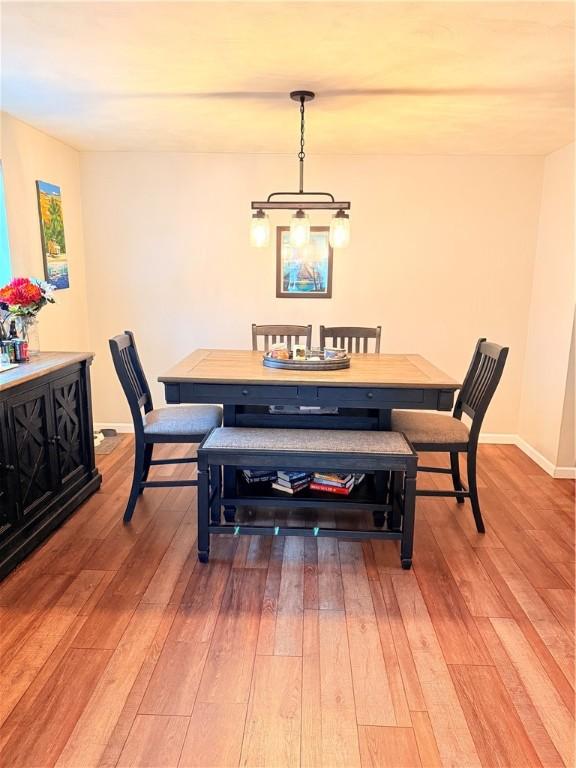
(29, 333)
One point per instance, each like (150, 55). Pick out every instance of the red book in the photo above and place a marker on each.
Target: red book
(342, 490)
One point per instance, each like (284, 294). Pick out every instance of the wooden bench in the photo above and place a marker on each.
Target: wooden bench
(311, 450)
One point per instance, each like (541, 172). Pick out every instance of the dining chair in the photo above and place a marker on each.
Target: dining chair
(435, 432)
(289, 334)
(350, 336)
(180, 424)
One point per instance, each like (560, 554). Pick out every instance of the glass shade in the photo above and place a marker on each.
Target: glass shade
(299, 230)
(260, 230)
(340, 230)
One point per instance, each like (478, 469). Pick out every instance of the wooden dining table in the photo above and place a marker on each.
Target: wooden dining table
(364, 394)
(359, 397)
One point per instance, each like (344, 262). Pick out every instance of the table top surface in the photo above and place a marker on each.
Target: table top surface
(40, 365)
(233, 366)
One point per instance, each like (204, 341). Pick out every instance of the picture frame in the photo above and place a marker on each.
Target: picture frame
(52, 234)
(304, 273)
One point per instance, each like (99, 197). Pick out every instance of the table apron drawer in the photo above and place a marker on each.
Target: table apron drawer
(380, 397)
(221, 393)
(345, 397)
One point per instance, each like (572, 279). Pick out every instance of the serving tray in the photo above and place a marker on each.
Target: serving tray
(331, 364)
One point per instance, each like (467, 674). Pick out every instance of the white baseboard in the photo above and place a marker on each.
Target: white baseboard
(565, 473)
(493, 438)
(119, 426)
(497, 438)
(535, 455)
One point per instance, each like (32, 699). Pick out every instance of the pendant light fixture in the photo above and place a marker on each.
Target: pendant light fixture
(299, 229)
(260, 230)
(300, 221)
(340, 230)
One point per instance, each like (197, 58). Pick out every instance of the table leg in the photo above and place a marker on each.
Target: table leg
(408, 520)
(382, 483)
(203, 514)
(395, 492)
(229, 473)
(385, 419)
(215, 488)
(382, 480)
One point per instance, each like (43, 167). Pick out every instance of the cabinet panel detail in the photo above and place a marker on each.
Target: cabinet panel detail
(30, 433)
(8, 507)
(69, 438)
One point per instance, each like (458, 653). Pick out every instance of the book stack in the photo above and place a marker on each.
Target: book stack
(253, 476)
(335, 482)
(292, 482)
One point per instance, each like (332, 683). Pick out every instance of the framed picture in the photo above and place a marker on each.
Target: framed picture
(306, 272)
(52, 231)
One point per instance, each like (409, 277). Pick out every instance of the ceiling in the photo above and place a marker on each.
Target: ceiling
(391, 78)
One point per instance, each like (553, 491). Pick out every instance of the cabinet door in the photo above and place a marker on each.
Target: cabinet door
(72, 456)
(8, 507)
(29, 432)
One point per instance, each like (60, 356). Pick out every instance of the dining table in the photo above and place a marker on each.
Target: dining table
(375, 382)
(359, 397)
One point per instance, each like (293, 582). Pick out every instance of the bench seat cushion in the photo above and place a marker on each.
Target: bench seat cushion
(430, 428)
(183, 420)
(304, 440)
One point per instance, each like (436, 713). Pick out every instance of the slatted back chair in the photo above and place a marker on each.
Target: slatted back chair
(185, 424)
(352, 338)
(480, 383)
(132, 377)
(288, 334)
(435, 432)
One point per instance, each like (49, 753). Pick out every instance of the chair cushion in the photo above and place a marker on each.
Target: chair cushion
(183, 420)
(307, 440)
(432, 428)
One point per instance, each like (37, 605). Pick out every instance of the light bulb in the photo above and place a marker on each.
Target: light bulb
(299, 230)
(340, 230)
(260, 229)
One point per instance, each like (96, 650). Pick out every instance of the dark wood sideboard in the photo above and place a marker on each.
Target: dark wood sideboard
(47, 465)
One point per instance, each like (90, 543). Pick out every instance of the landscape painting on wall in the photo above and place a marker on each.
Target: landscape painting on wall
(304, 272)
(52, 230)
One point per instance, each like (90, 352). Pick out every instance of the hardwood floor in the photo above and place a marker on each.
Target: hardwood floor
(119, 649)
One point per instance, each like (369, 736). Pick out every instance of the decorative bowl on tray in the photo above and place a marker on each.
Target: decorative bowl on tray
(301, 359)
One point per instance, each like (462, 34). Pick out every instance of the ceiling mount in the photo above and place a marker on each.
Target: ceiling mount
(302, 95)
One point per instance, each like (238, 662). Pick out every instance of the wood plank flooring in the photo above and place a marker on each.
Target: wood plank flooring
(119, 649)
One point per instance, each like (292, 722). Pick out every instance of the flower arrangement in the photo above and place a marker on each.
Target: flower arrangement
(24, 297)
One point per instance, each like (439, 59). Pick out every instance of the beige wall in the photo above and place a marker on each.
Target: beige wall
(28, 155)
(567, 444)
(551, 310)
(437, 243)
(442, 252)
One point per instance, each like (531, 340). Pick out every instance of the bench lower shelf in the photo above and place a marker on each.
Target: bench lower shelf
(363, 496)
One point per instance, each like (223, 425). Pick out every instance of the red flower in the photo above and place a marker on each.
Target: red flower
(21, 291)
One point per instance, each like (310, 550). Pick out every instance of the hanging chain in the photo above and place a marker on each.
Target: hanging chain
(301, 154)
